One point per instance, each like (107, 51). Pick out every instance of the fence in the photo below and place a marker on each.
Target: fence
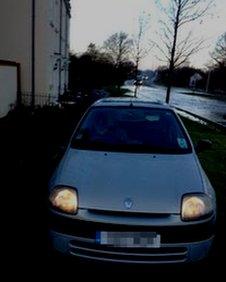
(40, 99)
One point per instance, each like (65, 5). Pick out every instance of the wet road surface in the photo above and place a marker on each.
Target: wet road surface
(209, 108)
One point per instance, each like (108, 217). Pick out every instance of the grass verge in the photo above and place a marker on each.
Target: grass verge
(213, 161)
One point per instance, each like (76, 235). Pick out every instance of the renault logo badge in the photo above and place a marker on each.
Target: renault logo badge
(128, 203)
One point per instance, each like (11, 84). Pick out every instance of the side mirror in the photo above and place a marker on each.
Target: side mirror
(59, 152)
(62, 149)
(203, 145)
(84, 136)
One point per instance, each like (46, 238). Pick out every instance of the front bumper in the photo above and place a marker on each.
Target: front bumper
(180, 243)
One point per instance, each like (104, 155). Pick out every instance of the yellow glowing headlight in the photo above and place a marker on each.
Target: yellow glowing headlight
(196, 206)
(64, 199)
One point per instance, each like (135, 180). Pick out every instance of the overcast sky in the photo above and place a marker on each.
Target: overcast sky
(95, 20)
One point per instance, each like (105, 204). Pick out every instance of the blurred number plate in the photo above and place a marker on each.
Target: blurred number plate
(129, 239)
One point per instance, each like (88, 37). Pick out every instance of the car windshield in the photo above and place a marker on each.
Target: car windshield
(131, 129)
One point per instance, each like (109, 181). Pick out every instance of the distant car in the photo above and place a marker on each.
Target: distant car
(130, 188)
(138, 82)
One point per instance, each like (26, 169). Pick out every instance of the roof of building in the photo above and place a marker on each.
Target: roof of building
(137, 102)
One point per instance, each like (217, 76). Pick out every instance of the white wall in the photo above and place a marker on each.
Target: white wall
(65, 48)
(43, 38)
(48, 55)
(8, 88)
(15, 31)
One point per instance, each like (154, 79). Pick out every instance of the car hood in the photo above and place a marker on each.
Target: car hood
(130, 182)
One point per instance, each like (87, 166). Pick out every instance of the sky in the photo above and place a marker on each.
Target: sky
(95, 20)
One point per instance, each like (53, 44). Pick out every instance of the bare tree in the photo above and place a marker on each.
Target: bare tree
(140, 50)
(118, 46)
(177, 48)
(219, 53)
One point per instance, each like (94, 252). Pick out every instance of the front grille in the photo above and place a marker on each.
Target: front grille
(169, 234)
(135, 215)
(92, 250)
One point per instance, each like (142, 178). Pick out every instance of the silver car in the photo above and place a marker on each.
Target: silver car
(130, 188)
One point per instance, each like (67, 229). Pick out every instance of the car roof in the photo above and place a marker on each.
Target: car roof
(136, 102)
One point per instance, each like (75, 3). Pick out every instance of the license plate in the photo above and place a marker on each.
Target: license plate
(129, 239)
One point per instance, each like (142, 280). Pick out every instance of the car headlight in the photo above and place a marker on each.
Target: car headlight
(196, 206)
(64, 199)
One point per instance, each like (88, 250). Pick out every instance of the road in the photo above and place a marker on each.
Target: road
(209, 108)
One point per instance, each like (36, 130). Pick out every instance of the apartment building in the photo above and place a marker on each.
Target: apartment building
(35, 36)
